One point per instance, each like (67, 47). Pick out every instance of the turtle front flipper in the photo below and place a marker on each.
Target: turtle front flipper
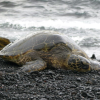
(31, 61)
(95, 65)
(32, 66)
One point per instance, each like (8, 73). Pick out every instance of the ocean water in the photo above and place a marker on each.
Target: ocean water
(79, 19)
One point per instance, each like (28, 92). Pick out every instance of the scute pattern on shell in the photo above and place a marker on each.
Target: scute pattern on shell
(42, 40)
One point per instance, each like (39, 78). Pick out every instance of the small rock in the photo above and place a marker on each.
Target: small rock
(85, 94)
(98, 93)
(43, 99)
(78, 79)
(1, 75)
(72, 86)
(89, 82)
(94, 82)
(93, 56)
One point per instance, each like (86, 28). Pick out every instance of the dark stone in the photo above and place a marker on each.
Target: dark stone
(78, 79)
(93, 56)
(43, 99)
(86, 94)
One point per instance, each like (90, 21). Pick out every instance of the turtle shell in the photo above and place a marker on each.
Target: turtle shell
(38, 41)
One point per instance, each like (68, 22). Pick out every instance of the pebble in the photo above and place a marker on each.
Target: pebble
(98, 93)
(78, 79)
(86, 94)
(43, 99)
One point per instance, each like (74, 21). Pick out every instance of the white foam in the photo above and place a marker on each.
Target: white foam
(57, 23)
(77, 38)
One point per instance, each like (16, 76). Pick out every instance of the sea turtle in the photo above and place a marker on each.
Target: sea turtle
(44, 49)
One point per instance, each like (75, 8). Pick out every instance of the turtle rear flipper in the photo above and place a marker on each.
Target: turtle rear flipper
(32, 66)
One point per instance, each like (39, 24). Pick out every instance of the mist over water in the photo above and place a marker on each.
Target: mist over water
(79, 19)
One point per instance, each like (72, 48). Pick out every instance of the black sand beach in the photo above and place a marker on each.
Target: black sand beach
(49, 84)
(79, 20)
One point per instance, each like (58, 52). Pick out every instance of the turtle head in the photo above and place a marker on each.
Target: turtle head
(78, 63)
